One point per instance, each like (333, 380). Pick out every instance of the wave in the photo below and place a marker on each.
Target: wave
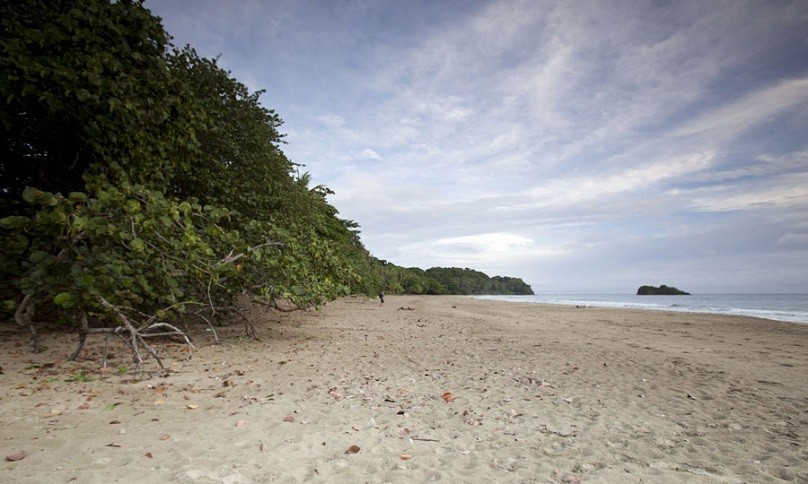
(791, 308)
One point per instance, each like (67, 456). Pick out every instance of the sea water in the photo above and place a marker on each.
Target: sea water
(779, 307)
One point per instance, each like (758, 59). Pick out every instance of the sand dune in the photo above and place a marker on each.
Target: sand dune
(421, 389)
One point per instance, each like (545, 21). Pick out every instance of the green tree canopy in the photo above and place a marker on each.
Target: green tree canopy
(140, 181)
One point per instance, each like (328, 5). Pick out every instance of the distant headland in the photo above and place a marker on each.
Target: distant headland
(662, 290)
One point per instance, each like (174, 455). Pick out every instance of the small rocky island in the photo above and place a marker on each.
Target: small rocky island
(662, 290)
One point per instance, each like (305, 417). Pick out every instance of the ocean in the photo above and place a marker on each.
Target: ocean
(792, 308)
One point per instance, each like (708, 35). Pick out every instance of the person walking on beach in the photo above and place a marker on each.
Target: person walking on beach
(381, 297)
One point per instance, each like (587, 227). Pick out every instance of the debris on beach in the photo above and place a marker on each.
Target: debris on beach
(354, 449)
(566, 478)
(17, 456)
(471, 419)
(513, 414)
(249, 399)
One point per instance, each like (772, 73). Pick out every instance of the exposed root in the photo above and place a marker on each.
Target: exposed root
(84, 326)
(249, 329)
(212, 329)
(135, 338)
(24, 316)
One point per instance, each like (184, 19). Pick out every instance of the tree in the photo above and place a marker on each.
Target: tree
(85, 87)
(141, 182)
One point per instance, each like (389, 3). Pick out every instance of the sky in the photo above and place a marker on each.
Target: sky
(584, 146)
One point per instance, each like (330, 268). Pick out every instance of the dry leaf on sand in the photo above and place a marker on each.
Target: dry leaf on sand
(353, 449)
(447, 397)
(17, 456)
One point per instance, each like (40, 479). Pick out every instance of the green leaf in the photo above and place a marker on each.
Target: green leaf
(13, 222)
(38, 256)
(78, 224)
(87, 280)
(83, 95)
(46, 199)
(132, 206)
(64, 299)
(77, 197)
(30, 194)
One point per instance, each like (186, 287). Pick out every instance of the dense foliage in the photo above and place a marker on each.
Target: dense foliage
(140, 182)
(447, 280)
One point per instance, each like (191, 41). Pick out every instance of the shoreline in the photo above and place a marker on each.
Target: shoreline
(426, 388)
(781, 315)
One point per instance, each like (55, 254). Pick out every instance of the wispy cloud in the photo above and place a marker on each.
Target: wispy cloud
(572, 190)
(331, 120)
(784, 191)
(728, 122)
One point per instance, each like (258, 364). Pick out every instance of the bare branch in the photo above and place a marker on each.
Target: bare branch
(137, 336)
(230, 258)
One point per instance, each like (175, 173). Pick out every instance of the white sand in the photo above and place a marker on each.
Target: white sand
(538, 394)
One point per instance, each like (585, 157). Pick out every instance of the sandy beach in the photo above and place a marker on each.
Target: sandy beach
(420, 389)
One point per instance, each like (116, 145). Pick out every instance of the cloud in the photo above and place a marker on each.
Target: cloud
(369, 154)
(784, 192)
(483, 240)
(331, 120)
(765, 165)
(484, 249)
(728, 122)
(598, 187)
